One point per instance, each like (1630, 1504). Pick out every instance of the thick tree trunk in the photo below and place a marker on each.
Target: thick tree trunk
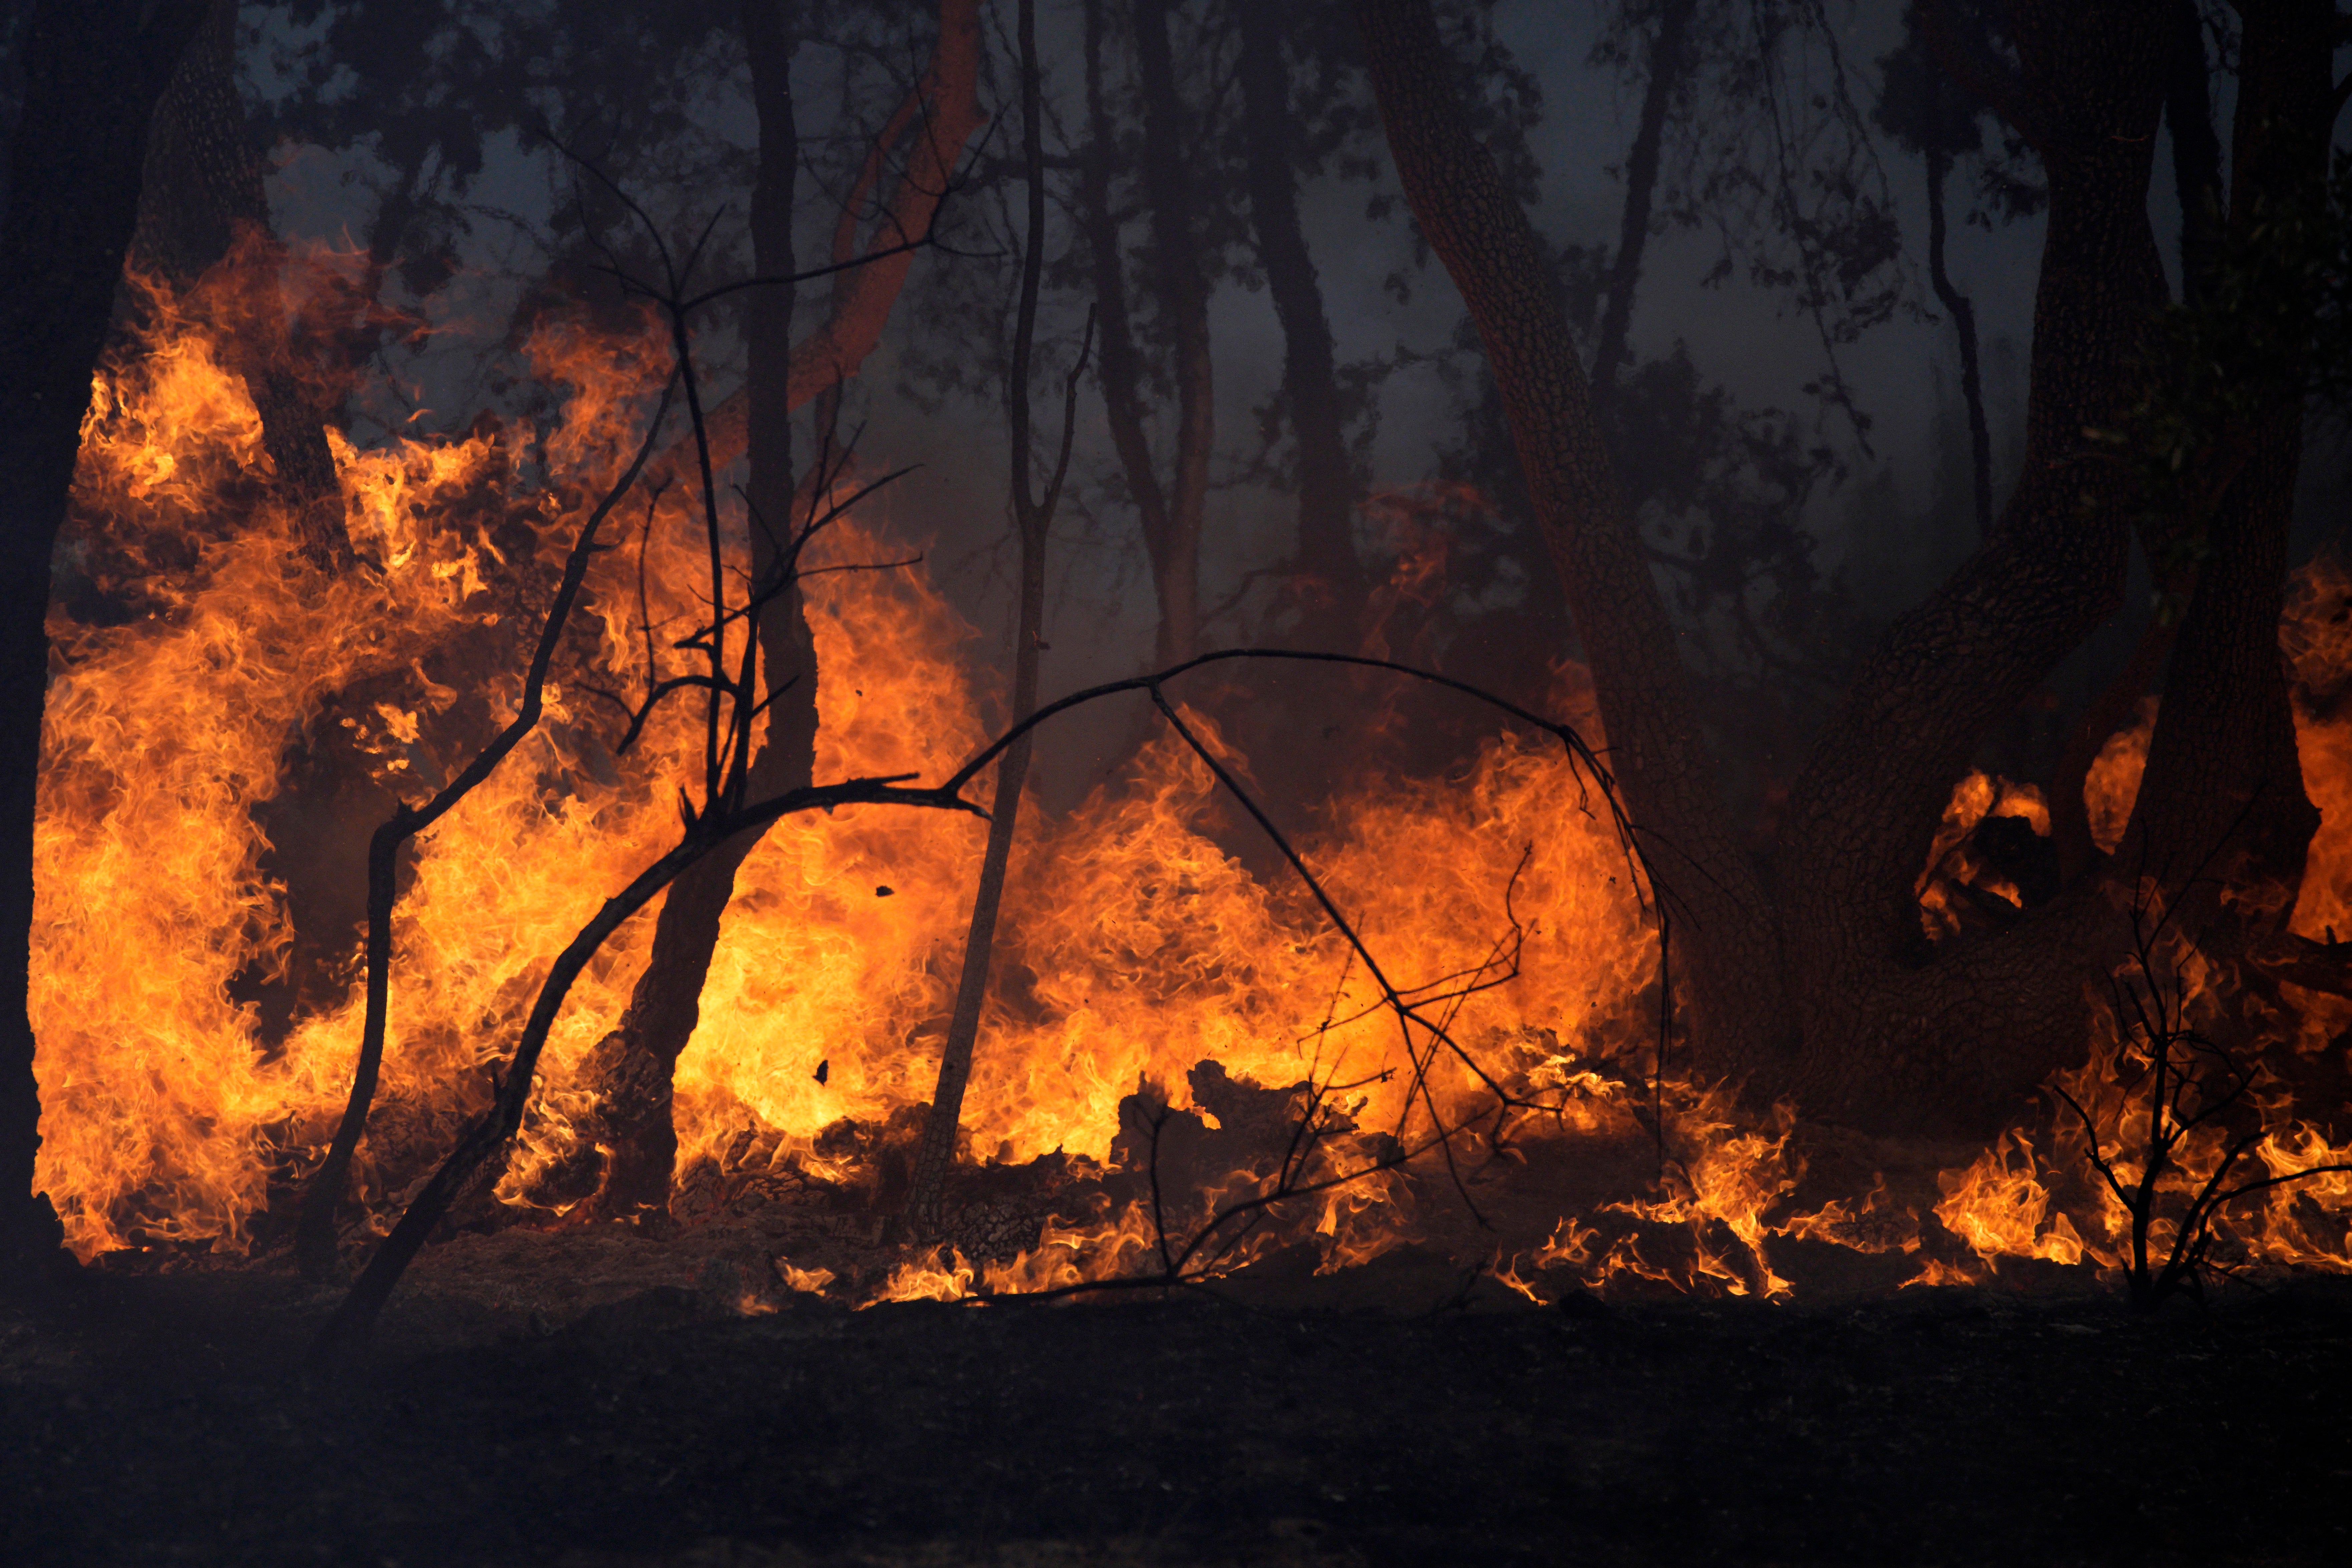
(1725, 940)
(1817, 989)
(1956, 1041)
(1329, 578)
(2222, 767)
(2197, 183)
(92, 73)
(202, 185)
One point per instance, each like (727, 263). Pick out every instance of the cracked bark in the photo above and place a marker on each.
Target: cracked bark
(1816, 992)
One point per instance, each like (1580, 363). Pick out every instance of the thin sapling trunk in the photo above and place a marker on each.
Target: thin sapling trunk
(1034, 517)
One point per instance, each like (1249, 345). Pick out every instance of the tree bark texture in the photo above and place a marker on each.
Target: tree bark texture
(1329, 578)
(202, 185)
(1722, 921)
(1806, 980)
(93, 73)
(2197, 183)
(2222, 768)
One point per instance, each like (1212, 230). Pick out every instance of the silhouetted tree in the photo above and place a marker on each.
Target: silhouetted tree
(1806, 981)
(92, 75)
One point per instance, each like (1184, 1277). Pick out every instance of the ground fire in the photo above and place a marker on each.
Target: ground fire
(1151, 784)
(1180, 1019)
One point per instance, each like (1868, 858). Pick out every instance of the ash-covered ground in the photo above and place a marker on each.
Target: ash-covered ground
(598, 1399)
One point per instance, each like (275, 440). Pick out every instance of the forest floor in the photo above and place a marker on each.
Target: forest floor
(1400, 1414)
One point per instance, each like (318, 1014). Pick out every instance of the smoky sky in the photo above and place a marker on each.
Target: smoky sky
(1888, 530)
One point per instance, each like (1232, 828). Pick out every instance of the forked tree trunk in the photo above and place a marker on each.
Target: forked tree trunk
(1329, 578)
(1169, 512)
(92, 75)
(633, 1067)
(1807, 983)
(1669, 63)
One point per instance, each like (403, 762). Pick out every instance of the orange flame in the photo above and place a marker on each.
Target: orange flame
(198, 666)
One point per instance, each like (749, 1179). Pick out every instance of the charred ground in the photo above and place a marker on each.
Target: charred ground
(1390, 1415)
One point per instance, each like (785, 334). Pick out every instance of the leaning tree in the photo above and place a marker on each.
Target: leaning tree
(1802, 970)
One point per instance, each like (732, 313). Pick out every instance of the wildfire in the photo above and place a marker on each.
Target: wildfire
(210, 692)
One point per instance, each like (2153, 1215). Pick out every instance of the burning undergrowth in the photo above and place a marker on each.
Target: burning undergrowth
(1187, 1068)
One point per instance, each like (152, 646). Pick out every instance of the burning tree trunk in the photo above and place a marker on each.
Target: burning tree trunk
(1330, 579)
(1170, 513)
(202, 186)
(92, 74)
(633, 1067)
(1809, 983)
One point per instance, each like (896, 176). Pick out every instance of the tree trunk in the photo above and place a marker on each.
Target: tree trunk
(1661, 763)
(1964, 327)
(1670, 60)
(202, 185)
(92, 75)
(2222, 766)
(1170, 514)
(1329, 578)
(942, 112)
(1168, 151)
(634, 1064)
(2197, 182)
(633, 1067)
(1034, 518)
(1812, 984)
(2196, 151)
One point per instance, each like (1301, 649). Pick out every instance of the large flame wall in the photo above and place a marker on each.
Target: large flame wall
(220, 662)
(209, 688)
